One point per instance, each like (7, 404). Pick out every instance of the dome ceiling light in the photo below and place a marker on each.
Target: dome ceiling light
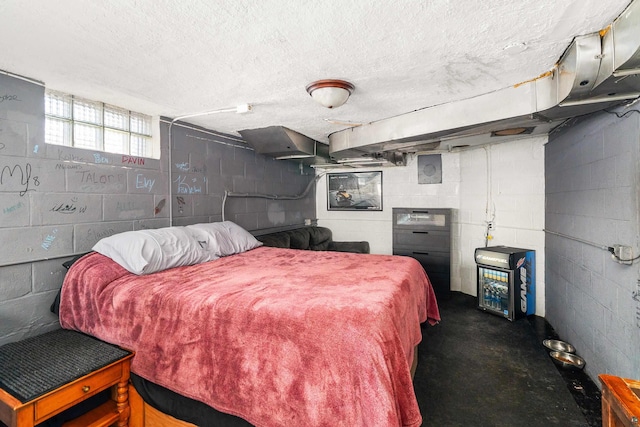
(330, 93)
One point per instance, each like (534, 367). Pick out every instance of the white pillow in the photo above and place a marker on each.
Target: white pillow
(149, 251)
(208, 238)
(225, 238)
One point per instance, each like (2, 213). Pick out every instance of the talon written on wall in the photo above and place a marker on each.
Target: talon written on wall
(57, 201)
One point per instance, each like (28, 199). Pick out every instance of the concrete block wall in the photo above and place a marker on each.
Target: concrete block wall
(592, 196)
(205, 164)
(59, 201)
(400, 189)
(56, 202)
(513, 171)
(504, 183)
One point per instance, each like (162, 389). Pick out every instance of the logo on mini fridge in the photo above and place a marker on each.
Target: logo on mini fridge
(523, 284)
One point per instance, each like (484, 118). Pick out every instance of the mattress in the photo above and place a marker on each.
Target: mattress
(274, 336)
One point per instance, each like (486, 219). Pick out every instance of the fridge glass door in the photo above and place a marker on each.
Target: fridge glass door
(493, 290)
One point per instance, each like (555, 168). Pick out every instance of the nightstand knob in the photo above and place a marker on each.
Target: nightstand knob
(86, 388)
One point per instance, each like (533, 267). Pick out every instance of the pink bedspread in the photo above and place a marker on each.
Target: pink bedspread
(279, 337)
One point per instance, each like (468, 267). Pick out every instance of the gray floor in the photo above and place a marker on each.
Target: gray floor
(477, 369)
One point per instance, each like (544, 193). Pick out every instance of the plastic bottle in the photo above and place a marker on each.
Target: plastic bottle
(487, 295)
(504, 299)
(494, 296)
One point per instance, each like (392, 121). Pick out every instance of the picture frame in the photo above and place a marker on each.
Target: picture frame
(354, 191)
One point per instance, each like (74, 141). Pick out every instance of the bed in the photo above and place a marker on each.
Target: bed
(272, 336)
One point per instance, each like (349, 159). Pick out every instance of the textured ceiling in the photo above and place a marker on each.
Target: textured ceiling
(176, 57)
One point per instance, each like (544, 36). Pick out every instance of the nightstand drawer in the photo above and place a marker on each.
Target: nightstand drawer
(45, 375)
(77, 391)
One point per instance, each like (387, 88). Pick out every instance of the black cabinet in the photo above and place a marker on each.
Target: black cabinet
(425, 234)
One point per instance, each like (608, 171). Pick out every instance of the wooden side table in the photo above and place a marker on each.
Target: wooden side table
(47, 374)
(620, 401)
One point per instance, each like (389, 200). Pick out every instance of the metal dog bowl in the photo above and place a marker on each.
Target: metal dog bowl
(567, 360)
(557, 345)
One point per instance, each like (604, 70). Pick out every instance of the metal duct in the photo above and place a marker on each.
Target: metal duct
(285, 144)
(597, 71)
(373, 160)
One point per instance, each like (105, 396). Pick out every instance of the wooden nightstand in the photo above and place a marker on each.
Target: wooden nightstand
(47, 374)
(620, 401)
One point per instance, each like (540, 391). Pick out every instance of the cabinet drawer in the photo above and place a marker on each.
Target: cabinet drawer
(421, 219)
(432, 262)
(77, 390)
(439, 279)
(422, 240)
(441, 283)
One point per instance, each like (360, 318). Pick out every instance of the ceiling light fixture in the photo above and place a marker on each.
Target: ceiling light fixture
(330, 93)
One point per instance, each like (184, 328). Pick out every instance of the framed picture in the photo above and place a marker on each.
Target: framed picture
(354, 191)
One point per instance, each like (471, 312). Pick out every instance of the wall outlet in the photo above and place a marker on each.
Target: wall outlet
(623, 254)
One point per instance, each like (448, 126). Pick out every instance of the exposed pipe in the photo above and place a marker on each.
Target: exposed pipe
(489, 217)
(271, 196)
(186, 125)
(18, 76)
(586, 242)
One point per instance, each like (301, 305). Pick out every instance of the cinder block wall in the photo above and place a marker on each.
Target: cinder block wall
(59, 201)
(205, 163)
(592, 195)
(510, 176)
(55, 202)
(507, 178)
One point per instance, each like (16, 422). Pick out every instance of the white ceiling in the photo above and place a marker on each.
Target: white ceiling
(178, 57)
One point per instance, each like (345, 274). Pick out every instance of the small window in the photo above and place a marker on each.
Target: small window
(75, 122)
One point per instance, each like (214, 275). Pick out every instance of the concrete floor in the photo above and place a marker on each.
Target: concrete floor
(477, 369)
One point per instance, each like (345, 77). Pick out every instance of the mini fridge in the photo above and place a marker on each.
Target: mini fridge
(506, 281)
